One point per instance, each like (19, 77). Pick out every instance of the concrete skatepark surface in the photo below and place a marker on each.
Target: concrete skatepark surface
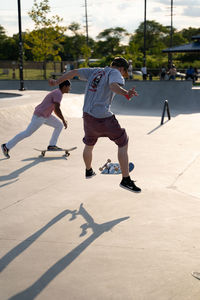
(65, 237)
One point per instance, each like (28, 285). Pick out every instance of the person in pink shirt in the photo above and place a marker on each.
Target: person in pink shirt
(43, 115)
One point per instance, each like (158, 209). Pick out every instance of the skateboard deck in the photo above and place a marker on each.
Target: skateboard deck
(67, 151)
(113, 168)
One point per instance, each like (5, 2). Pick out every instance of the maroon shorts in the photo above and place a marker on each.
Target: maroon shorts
(103, 127)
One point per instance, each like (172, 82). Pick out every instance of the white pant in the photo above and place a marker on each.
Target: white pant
(35, 124)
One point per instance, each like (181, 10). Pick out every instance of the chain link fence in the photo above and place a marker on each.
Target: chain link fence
(34, 70)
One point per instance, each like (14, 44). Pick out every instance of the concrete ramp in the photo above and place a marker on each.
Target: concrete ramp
(181, 96)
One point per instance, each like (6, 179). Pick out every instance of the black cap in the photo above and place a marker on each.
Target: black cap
(120, 62)
(64, 83)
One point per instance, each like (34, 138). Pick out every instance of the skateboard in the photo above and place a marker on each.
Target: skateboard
(67, 151)
(113, 168)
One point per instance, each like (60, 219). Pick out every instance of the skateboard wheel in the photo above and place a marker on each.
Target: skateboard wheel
(109, 160)
(43, 153)
(100, 169)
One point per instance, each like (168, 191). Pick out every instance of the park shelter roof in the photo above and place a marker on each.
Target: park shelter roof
(192, 47)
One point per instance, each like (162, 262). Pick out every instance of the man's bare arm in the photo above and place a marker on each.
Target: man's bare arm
(59, 114)
(69, 75)
(117, 89)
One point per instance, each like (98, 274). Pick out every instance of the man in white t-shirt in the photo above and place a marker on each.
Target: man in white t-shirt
(144, 72)
(99, 121)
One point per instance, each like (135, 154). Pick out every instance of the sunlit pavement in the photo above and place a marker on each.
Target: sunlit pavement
(65, 237)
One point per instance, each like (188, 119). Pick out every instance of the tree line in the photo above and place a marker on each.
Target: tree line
(49, 41)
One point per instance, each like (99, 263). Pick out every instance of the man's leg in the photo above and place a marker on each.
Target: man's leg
(123, 160)
(57, 125)
(35, 124)
(126, 182)
(87, 156)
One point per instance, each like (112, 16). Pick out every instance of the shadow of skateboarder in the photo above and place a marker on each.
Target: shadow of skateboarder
(42, 282)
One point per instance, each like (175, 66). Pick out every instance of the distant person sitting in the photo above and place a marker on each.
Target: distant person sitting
(172, 73)
(144, 72)
(190, 73)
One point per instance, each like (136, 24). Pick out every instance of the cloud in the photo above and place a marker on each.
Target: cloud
(180, 2)
(181, 7)
(124, 7)
(192, 11)
(12, 20)
(105, 14)
(157, 9)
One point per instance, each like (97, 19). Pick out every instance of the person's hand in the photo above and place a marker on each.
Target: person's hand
(52, 82)
(132, 92)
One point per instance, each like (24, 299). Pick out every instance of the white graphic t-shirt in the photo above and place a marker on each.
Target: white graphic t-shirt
(98, 95)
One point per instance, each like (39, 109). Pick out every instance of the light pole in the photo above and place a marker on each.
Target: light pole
(20, 49)
(86, 22)
(171, 35)
(145, 29)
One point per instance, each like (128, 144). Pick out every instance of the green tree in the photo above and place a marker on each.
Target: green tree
(155, 34)
(184, 36)
(109, 43)
(177, 39)
(45, 41)
(9, 49)
(189, 33)
(86, 51)
(75, 46)
(133, 53)
(2, 33)
(75, 28)
(72, 46)
(8, 46)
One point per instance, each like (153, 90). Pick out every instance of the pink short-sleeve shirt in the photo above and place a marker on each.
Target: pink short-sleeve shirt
(47, 106)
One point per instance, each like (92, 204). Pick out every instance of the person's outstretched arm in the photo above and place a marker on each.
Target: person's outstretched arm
(69, 75)
(117, 89)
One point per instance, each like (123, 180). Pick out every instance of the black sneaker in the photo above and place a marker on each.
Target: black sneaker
(89, 173)
(129, 185)
(53, 148)
(5, 150)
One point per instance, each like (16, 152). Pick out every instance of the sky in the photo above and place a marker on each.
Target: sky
(104, 14)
